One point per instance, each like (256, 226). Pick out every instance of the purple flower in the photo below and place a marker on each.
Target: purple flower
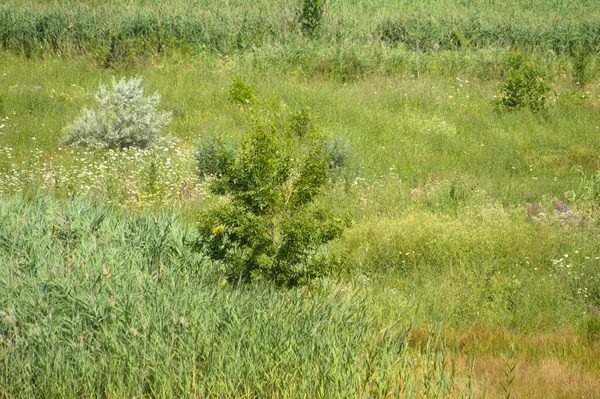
(562, 207)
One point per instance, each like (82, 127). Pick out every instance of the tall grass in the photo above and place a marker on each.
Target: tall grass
(97, 302)
(119, 32)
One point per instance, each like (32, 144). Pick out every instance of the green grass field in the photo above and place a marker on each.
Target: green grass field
(472, 264)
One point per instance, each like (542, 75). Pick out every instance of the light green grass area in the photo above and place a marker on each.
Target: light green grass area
(473, 252)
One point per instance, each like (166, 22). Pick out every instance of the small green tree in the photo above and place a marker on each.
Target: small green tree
(270, 229)
(522, 88)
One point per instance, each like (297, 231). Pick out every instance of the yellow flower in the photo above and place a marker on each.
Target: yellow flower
(218, 229)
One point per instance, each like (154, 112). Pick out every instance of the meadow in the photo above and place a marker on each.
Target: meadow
(471, 267)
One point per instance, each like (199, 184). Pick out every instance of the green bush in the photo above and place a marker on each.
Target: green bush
(310, 16)
(240, 92)
(302, 123)
(212, 155)
(269, 230)
(125, 118)
(522, 88)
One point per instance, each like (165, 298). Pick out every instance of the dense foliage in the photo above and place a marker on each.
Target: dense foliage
(523, 87)
(268, 230)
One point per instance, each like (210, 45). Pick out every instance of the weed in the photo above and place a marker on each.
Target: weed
(213, 155)
(339, 153)
(590, 328)
(301, 123)
(509, 374)
(581, 61)
(587, 195)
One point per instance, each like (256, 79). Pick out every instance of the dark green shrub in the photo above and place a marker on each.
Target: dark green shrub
(269, 230)
(310, 16)
(522, 88)
(240, 92)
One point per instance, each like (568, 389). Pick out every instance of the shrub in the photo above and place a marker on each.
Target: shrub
(125, 118)
(269, 230)
(310, 16)
(338, 152)
(523, 87)
(212, 156)
(336, 149)
(302, 123)
(240, 92)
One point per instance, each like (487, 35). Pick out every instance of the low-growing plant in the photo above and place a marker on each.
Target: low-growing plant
(522, 88)
(212, 155)
(240, 92)
(124, 118)
(590, 326)
(269, 230)
(338, 152)
(337, 149)
(587, 195)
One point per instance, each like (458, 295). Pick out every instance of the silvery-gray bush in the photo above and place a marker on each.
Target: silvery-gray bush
(124, 118)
